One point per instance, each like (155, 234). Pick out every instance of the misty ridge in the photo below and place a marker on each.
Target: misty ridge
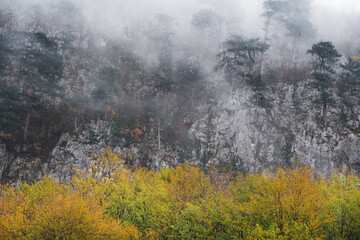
(226, 85)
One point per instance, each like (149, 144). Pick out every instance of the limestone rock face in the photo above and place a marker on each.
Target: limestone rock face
(233, 128)
(74, 151)
(265, 138)
(17, 169)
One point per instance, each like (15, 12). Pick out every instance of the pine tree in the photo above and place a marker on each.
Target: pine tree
(326, 57)
(348, 88)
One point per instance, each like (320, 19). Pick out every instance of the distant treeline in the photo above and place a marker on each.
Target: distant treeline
(110, 201)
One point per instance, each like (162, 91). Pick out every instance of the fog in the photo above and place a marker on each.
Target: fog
(137, 22)
(334, 20)
(337, 21)
(330, 17)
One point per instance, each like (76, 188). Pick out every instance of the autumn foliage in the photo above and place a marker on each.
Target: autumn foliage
(110, 201)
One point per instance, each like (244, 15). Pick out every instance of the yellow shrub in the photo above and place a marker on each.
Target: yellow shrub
(188, 184)
(48, 210)
(343, 195)
(288, 198)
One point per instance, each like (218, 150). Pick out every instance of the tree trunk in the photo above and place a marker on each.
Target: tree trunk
(21, 88)
(220, 35)
(97, 123)
(262, 63)
(75, 123)
(159, 140)
(253, 62)
(4, 175)
(325, 119)
(293, 51)
(267, 24)
(106, 112)
(26, 129)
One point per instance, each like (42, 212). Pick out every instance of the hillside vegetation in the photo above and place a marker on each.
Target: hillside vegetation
(110, 201)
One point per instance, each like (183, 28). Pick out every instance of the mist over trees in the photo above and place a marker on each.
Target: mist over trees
(218, 84)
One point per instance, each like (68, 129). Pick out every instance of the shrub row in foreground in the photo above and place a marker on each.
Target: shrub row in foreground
(110, 201)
